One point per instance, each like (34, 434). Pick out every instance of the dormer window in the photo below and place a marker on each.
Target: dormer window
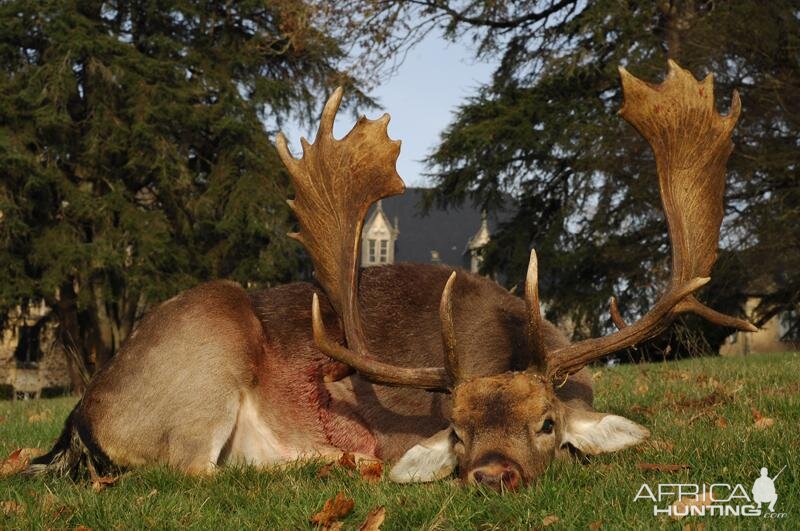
(378, 239)
(371, 252)
(384, 251)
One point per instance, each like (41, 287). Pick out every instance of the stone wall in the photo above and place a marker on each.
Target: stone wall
(51, 368)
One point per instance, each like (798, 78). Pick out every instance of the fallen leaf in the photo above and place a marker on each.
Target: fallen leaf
(550, 520)
(40, 416)
(82, 528)
(9, 507)
(722, 422)
(760, 422)
(18, 460)
(636, 408)
(347, 461)
(764, 423)
(683, 507)
(101, 482)
(712, 399)
(371, 471)
(597, 524)
(2, 419)
(141, 499)
(664, 446)
(324, 471)
(374, 519)
(642, 389)
(63, 511)
(335, 371)
(334, 509)
(660, 467)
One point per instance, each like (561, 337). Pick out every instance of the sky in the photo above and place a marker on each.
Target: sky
(434, 79)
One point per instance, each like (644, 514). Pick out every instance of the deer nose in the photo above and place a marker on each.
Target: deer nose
(497, 476)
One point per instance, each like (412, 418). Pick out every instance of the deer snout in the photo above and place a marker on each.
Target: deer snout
(504, 475)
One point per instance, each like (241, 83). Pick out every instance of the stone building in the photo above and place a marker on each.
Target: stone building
(31, 359)
(774, 336)
(454, 237)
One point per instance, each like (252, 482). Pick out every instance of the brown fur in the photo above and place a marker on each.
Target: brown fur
(173, 393)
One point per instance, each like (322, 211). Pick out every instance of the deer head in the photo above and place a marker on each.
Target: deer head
(506, 428)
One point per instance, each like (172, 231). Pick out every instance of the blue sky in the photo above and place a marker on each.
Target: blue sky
(434, 79)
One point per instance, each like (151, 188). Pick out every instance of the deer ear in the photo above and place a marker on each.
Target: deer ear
(432, 459)
(597, 433)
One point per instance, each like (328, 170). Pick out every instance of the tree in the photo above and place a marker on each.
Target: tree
(135, 159)
(545, 130)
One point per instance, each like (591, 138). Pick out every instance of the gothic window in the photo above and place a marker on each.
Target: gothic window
(384, 251)
(28, 351)
(371, 251)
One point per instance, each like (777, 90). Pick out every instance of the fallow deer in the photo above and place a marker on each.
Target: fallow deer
(444, 369)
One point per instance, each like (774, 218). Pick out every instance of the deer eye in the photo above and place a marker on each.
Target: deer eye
(547, 426)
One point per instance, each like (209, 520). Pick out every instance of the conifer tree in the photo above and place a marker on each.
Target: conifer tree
(134, 156)
(545, 130)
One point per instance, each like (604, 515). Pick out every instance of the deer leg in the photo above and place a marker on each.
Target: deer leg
(199, 447)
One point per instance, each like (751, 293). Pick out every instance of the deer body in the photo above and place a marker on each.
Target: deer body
(219, 375)
(449, 370)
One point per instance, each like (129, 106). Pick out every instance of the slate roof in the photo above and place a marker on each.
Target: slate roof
(446, 231)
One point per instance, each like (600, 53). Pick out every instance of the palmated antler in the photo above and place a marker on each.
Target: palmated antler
(691, 143)
(336, 182)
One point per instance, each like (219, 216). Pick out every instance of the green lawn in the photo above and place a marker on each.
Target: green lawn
(699, 411)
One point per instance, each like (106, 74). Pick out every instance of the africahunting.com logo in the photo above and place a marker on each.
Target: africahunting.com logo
(718, 499)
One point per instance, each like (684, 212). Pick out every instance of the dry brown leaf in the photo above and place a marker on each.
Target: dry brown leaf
(141, 499)
(680, 506)
(550, 519)
(714, 398)
(721, 422)
(760, 422)
(101, 482)
(324, 471)
(9, 507)
(661, 467)
(2, 419)
(371, 471)
(18, 460)
(597, 524)
(41, 416)
(764, 423)
(662, 445)
(82, 528)
(374, 519)
(334, 509)
(347, 460)
(636, 408)
(334, 371)
(641, 389)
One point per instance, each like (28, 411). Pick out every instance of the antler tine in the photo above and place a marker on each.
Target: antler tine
(535, 326)
(434, 379)
(451, 364)
(691, 143)
(616, 316)
(336, 182)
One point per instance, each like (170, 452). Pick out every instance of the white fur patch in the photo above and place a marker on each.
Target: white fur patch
(595, 433)
(254, 442)
(430, 460)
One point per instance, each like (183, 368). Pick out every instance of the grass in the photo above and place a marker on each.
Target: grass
(682, 403)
